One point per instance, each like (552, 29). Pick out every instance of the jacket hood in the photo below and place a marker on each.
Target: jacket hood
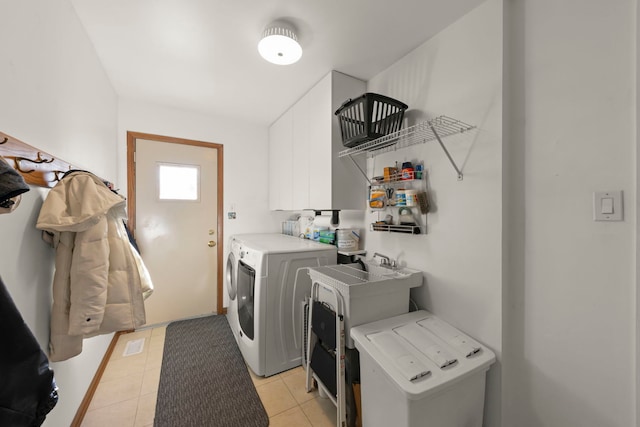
(77, 203)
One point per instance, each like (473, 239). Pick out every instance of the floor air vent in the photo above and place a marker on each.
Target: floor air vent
(134, 347)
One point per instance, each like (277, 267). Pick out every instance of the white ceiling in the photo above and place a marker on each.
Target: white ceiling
(201, 55)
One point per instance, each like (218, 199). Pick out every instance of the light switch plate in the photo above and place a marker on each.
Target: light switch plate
(600, 201)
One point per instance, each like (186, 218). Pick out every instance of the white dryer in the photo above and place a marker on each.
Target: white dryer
(268, 300)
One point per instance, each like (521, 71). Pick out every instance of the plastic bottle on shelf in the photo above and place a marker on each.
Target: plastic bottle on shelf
(418, 171)
(407, 171)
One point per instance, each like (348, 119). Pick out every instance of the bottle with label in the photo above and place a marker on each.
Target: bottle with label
(407, 171)
(418, 171)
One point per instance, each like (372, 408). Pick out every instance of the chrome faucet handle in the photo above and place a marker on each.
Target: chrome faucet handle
(384, 260)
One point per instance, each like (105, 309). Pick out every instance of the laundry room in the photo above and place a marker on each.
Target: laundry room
(516, 225)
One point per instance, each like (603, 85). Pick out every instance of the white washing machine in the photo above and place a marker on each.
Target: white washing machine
(268, 299)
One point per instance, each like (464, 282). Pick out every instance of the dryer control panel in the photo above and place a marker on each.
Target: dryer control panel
(252, 258)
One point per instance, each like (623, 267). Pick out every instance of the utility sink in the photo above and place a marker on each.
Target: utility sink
(371, 295)
(350, 279)
(401, 273)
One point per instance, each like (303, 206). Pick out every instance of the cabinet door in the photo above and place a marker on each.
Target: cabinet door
(280, 159)
(301, 157)
(334, 183)
(319, 145)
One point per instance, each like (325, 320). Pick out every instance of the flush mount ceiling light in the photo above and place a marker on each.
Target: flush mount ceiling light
(279, 44)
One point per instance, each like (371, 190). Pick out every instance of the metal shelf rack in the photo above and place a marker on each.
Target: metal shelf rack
(395, 228)
(434, 129)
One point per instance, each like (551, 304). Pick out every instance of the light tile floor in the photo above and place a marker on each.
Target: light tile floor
(126, 395)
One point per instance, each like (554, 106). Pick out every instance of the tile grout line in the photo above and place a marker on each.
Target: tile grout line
(148, 349)
(298, 404)
(306, 416)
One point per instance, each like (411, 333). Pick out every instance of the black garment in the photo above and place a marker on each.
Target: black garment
(11, 184)
(28, 390)
(131, 239)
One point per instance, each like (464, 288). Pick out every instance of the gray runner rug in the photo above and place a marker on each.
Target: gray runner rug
(204, 380)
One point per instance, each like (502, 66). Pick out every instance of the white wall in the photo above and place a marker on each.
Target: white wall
(570, 309)
(457, 73)
(246, 189)
(56, 97)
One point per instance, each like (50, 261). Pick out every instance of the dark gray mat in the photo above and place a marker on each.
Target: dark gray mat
(204, 380)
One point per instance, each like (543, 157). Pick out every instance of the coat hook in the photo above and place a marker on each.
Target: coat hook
(39, 159)
(58, 175)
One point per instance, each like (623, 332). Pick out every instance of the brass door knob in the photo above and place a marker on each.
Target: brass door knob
(211, 243)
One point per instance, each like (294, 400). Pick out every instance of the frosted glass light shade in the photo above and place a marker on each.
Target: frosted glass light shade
(279, 45)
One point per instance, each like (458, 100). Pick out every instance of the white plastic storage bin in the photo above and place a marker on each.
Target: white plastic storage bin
(417, 370)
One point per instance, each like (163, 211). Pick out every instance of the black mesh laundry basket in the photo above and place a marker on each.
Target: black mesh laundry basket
(368, 117)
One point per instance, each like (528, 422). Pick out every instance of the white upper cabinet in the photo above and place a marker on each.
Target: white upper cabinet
(280, 159)
(301, 155)
(303, 149)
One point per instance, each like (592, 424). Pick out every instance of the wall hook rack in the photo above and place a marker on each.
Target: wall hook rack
(43, 170)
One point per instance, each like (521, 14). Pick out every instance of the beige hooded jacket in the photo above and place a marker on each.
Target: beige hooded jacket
(97, 285)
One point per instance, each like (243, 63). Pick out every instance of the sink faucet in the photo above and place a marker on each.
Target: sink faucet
(385, 261)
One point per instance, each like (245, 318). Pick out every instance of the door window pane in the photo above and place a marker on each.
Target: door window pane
(178, 182)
